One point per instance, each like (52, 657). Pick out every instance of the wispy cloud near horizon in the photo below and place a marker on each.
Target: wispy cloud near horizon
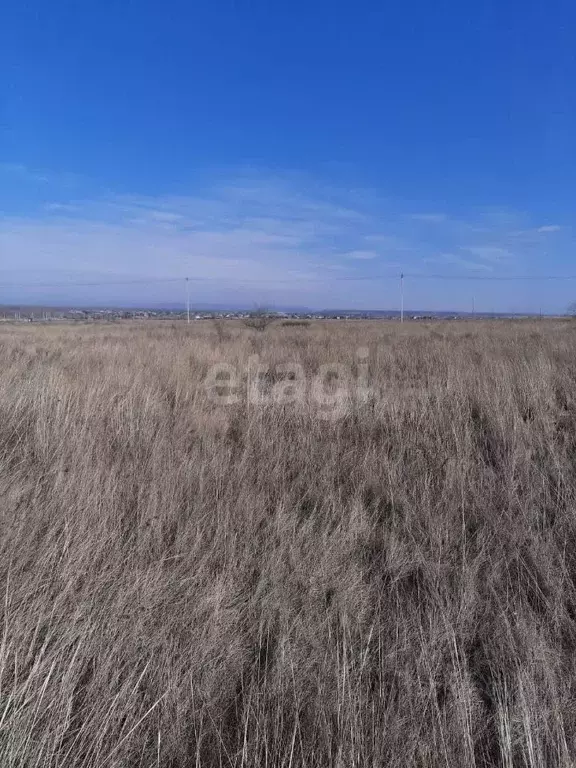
(291, 236)
(550, 228)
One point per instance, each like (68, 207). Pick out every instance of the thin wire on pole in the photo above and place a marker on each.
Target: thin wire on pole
(187, 300)
(402, 297)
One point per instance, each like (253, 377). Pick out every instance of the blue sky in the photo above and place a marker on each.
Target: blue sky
(304, 154)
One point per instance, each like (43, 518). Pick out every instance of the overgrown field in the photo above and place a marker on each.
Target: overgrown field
(380, 577)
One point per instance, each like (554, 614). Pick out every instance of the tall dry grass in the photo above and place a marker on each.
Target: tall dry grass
(188, 584)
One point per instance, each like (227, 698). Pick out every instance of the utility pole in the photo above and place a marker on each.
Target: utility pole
(187, 300)
(473, 307)
(401, 297)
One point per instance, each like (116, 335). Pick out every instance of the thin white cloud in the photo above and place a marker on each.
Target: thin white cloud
(361, 255)
(549, 228)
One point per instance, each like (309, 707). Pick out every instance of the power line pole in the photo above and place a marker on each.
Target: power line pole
(187, 300)
(401, 297)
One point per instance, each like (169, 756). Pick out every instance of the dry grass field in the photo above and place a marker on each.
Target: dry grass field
(382, 578)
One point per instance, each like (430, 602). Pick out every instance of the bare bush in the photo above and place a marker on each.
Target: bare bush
(259, 320)
(185, 584)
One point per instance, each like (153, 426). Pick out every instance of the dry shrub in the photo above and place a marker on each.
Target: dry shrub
(259, 320)
(190, 584)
